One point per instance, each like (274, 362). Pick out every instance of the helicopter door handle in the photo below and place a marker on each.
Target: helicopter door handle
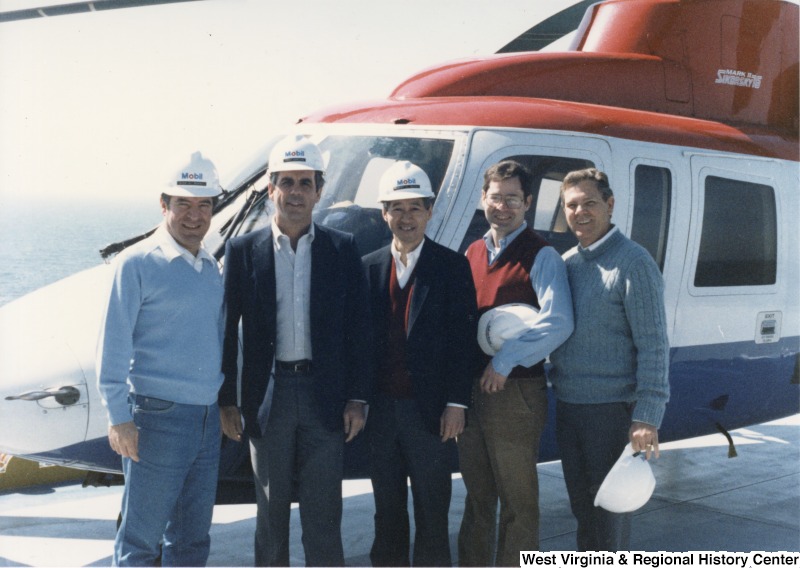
(65, 395)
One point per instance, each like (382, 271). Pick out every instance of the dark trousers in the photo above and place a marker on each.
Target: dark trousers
(591, 437)
(402, 447)
(498, 451)
(297, 448)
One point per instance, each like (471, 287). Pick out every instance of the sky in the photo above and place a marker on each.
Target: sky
(108, 105)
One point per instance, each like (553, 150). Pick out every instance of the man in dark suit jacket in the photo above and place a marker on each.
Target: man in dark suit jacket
(300, 294)
(424, 320)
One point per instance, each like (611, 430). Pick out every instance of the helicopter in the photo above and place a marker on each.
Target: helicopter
(689, 106)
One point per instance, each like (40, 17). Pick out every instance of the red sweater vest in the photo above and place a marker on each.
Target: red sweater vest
(394, 378)
(507, 280)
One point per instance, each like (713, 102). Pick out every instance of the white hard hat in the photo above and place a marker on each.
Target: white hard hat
(628, 485)
(504, 322)
(295, 153)
(404, 180)
(198, 178)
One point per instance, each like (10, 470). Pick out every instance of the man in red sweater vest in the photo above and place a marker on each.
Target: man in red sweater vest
(424, 321)
(499, 448)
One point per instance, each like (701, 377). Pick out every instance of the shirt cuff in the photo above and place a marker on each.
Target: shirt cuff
(501, 367)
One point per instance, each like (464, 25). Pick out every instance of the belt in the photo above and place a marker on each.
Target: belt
(301, 366)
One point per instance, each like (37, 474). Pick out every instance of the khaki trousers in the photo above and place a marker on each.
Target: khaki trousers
(498, 452)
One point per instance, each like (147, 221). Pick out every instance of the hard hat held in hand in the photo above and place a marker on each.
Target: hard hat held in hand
(629, 484)
(404, 180)
(198, 178)
(295, 153)
(504, 322)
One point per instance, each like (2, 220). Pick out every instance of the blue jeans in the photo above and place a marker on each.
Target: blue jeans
(591, 437)
(170, 492)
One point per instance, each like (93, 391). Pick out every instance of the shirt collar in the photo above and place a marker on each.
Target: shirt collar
(487, 238)
(411, 257)
(599, 242)
(279, 238)
(172, 250)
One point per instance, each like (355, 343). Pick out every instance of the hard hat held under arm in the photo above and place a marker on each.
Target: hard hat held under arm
(554, 323)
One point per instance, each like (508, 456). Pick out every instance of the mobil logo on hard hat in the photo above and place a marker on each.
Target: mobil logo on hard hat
(404, 180)
(191, 178)
(198, 178)
(295, 153)
(405, 183)
(294, 156)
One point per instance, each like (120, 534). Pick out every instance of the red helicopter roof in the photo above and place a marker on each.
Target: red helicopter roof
(510, 112)
(688, 64)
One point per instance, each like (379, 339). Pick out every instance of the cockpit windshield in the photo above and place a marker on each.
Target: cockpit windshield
(355, 165)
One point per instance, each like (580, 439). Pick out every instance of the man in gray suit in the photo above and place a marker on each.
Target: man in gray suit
(300, 294)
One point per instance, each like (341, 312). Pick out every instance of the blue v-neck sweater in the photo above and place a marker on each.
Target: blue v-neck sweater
(162, 332)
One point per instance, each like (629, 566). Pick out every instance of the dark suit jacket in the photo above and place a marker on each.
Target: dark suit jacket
(340, 326)
(442, 326)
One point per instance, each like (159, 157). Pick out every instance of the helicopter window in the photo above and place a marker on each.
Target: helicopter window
(651, 205)
(260, 214)
(350, 198)
(546, 216)
(548, 208)
(740, 254)
(257, 212)
(367, 193)
(221, 222)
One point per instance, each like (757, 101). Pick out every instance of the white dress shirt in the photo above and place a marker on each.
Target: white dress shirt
(404, 271)
(293, 295)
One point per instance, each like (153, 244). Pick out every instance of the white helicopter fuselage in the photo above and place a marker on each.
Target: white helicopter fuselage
(702, 158)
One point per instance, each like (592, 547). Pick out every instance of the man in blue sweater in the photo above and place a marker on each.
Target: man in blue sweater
(159, 370)
(610, 376)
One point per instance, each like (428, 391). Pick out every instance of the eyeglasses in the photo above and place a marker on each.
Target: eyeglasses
(511, 201)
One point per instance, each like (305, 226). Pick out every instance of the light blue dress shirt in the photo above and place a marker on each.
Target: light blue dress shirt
(555, 323)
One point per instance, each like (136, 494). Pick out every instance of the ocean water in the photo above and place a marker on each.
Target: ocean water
(44, 241)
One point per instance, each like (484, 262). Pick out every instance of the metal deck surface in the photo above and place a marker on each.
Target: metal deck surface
(703, 501)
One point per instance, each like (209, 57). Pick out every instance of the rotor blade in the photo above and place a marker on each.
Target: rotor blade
(79, 8)
(549, 30)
